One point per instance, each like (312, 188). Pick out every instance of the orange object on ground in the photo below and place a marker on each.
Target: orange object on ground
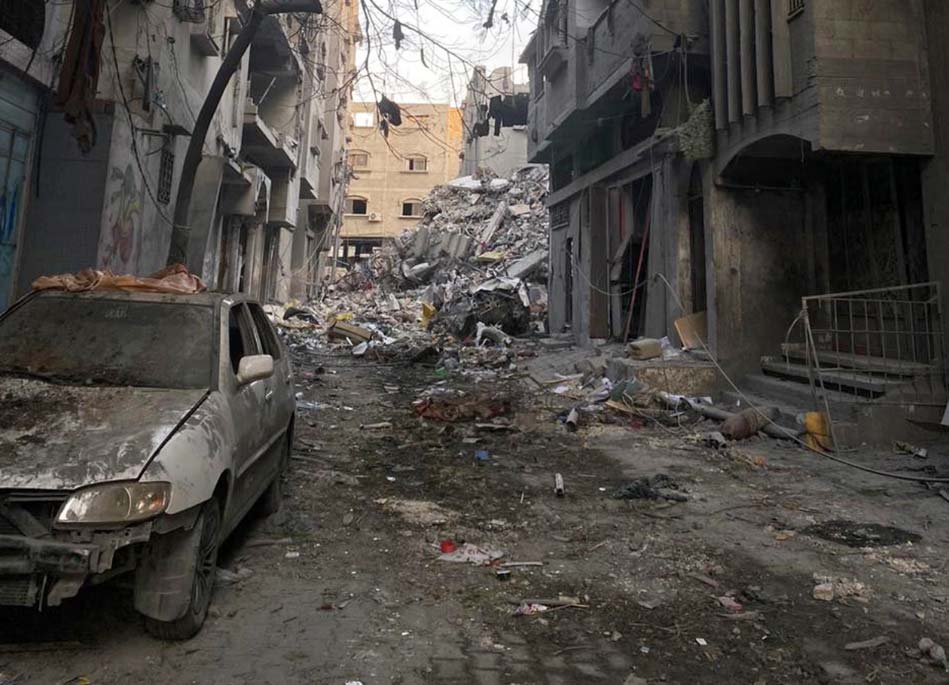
(172, 279)
(818, 431)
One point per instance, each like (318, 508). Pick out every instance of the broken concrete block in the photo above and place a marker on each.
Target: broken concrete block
(519, 210)
(525, 265)
(645, 348)
(355, 334)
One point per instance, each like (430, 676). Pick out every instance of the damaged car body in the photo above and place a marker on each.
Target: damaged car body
(136, 431)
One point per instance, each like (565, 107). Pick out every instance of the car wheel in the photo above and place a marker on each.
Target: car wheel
(272, 498)
(206, 534)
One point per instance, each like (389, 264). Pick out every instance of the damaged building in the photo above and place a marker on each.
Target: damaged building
(494, 113)
(769, 174)
(100, 100)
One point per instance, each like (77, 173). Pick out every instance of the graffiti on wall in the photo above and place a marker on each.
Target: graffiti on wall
(123, 230)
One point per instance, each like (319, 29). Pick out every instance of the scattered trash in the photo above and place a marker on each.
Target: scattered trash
(645, 348)
(859, 535)
(292, 555)
(451, 408)
(730, 604)
(377, 426)
(702, 642)
(559, 490)
(503, 574)
(828, 589)
(472, 554)
(482, 455)
(655, 487)
(530, 609)
(906, 448)
(447, 546)
(747, 423)
(716, 439)
(867, 644)
(307, 405)
(223, 576)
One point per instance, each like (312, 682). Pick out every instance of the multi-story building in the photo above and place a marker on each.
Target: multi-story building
(101, 101)
(732, 157)
(393, 174)
(501, 147)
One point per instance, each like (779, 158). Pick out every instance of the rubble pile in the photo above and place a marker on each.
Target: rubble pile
(458, 287)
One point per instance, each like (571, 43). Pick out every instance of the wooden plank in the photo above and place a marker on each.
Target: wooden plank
(861, 362)
(781, 49)
(693, 330)
(837, 377)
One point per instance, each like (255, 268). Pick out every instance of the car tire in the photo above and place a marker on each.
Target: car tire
(272, 498)
(205, 538)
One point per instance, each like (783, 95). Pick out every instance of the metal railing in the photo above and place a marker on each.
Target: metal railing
(885, 345)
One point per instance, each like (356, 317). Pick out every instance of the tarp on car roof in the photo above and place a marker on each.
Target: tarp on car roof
(172, 279)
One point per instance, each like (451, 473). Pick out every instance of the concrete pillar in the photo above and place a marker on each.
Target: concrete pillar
(719, 94)
(733, 60)
(207, 189)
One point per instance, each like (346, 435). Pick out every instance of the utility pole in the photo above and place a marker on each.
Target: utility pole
(261, 9)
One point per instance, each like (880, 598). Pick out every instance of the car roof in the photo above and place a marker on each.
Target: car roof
(206, 299)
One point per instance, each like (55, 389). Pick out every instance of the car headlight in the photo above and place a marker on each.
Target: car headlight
(116, 503)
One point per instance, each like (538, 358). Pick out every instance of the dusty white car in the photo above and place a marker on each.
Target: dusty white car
(136, 430)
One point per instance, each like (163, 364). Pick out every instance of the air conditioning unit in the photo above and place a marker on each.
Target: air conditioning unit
(375, 217)
(206, 30)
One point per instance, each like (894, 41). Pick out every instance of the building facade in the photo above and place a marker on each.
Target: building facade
(105, 99)
(393, 174)
(501, 149)
(732, 157)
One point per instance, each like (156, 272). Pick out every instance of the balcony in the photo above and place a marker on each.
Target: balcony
(265, 147)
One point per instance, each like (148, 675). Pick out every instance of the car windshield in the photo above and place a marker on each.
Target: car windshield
(113, 342)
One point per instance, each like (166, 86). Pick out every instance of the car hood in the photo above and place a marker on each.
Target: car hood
(58, 437)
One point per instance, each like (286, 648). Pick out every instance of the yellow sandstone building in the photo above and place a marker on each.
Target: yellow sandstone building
(393, 175)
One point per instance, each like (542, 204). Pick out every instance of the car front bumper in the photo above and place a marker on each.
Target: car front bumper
(20, 555)
(44, 570)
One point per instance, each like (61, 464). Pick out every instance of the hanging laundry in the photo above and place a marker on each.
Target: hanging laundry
(389, 111)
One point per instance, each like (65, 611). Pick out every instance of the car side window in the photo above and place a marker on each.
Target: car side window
(268, 339)
(240, 335)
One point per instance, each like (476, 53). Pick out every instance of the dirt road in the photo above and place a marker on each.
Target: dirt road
(346, 583)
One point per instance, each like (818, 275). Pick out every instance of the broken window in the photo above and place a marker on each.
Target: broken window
(795, 7)
(416, 163)
(359, 159)
(240, 336)
(412, 208)
(357, 205)
(268, 339)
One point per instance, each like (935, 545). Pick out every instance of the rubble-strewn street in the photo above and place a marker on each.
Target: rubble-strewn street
(738, 583)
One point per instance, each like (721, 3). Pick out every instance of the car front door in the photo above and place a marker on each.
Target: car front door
(248, 405)
(280, 405)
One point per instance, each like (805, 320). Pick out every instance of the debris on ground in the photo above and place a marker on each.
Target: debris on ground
(934, 653)
(655, 487)
(460, 290)
(907, 448)
(468, 553)
(829, 588)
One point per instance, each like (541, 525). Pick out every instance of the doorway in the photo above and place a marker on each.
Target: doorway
(697, 275)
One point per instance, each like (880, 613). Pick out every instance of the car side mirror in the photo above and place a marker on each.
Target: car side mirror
(256, 367)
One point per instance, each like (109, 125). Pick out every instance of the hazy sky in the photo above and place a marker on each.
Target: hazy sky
(452, 24)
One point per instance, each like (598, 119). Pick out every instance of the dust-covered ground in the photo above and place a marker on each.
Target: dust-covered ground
(346, 584)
